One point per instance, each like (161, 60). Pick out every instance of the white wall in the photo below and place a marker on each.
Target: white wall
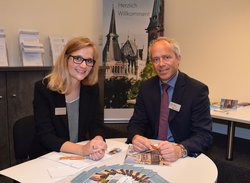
(215, 41)
(50, 17)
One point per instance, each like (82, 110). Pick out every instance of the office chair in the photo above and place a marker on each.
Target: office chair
(26, 145)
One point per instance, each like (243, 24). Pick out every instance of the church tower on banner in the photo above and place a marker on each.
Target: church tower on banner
(125, 61)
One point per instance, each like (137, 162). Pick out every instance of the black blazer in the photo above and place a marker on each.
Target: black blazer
(191, 126)
(52, 129)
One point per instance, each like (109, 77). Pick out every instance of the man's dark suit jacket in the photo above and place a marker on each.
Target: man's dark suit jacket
(52, 129)
(191, 126)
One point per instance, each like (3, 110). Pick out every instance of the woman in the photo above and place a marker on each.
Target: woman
(66, 102)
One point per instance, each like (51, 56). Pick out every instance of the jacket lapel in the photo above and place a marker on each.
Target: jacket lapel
(155, 102)
(177, 95)
(61, 102)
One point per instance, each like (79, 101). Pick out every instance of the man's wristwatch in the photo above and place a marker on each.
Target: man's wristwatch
(184, 152)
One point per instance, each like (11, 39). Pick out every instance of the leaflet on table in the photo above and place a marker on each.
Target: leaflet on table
(77, 162)
(228, 104)
(150, 157)
(62, 171)
(225, 105)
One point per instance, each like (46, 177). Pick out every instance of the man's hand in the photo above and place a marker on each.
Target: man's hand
(169, 151)
(141, 143)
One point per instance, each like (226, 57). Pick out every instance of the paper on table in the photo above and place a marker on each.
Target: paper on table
(68, 167)
(56, 156)
(61, 171)
(82, 163)
(76, 165)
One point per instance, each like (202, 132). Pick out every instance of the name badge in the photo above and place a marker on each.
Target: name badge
(60, 111)
(174, 106)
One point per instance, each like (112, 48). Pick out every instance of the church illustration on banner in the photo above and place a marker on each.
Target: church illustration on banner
(128, 60)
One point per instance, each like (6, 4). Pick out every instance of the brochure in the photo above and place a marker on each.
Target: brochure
(150, 157)
(119, 173)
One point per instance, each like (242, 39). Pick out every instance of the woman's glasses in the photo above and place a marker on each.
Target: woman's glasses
(78, 60)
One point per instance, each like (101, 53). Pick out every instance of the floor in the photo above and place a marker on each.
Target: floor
(237, 170)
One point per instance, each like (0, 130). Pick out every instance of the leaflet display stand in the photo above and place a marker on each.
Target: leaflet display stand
(31, 49)
(57, 44)
(3, 49)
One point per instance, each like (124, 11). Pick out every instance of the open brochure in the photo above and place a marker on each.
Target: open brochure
(150, 157)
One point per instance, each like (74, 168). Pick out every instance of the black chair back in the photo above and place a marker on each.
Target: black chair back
(26, 145)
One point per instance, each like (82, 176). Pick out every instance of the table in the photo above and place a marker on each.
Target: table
(189, 169)
(241, 115)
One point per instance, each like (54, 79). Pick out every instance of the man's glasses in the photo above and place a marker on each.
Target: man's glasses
(78, 60)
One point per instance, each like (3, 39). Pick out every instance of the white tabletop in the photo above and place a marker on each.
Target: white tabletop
(241, 114)
(193, 170)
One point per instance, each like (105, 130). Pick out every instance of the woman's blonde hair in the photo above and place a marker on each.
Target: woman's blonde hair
(59, 78)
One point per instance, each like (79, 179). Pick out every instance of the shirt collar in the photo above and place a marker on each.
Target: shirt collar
(171, 82)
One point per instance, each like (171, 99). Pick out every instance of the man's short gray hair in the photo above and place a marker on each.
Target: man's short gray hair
(174, 45)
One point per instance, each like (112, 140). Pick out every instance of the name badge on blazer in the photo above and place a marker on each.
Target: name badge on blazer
(174, 106)
(60, 111)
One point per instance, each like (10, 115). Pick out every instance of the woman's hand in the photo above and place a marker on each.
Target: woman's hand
(95, 148)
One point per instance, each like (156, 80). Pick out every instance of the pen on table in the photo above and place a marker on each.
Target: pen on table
(71, 158)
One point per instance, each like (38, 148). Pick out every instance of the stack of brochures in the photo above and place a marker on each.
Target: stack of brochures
(57, 44)
(31, 48)
(225, 105)
(119, 173)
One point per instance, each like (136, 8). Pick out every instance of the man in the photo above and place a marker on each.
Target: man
(188, 123)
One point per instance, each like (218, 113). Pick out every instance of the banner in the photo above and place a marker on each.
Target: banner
(129, 26)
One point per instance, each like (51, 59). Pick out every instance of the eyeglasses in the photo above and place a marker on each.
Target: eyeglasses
(165, 59)
(78, 60)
